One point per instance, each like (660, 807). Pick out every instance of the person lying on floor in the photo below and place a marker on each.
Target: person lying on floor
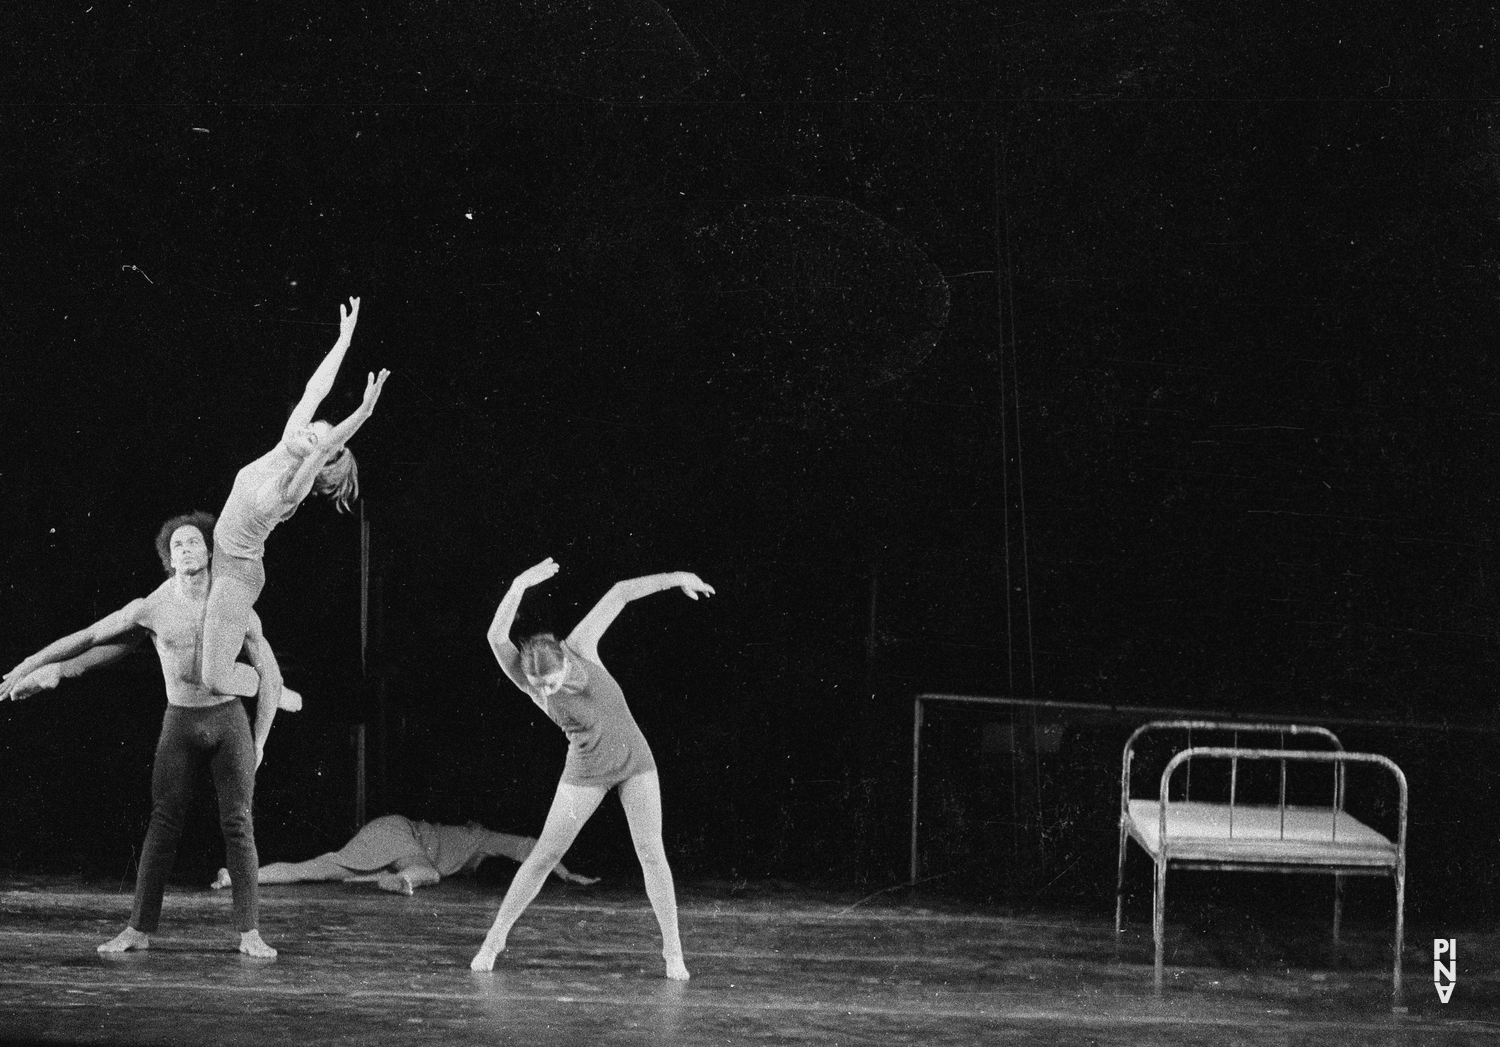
(399, 855)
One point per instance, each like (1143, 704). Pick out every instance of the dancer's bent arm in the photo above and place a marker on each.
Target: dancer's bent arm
(321, 383)
(268, 699)
(586, 634)
(110, 627)
(505, 616)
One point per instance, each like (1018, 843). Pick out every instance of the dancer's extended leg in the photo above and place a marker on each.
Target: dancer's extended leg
(641, 798)
(322, 867)
(571, 807)
(225, 622)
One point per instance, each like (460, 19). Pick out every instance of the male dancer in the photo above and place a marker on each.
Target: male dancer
(200, 726)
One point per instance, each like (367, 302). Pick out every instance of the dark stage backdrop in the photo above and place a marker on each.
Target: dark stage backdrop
(1120, 356)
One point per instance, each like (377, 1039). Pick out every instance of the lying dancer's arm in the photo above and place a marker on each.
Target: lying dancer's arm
(50, 675)
(505, 616)
(111, 627)
(321, 383)
(268, 698)
(301, 481)
(518, 849)
(586, 634)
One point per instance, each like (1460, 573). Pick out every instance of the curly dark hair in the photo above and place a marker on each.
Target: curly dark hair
(200, 519)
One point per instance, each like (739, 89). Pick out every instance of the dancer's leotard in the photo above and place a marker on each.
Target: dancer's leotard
(605, 747)
(254, 507)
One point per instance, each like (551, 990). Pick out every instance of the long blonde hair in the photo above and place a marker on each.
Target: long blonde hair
(339, 479)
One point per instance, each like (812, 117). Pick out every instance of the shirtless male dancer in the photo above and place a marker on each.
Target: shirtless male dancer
(200, 726)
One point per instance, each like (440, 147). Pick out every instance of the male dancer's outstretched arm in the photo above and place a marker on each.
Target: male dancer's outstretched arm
(108, 643)
(53, 673)
(123, 625)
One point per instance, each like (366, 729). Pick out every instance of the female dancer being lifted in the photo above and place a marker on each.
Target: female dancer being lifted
(311, 456)
(605, 749)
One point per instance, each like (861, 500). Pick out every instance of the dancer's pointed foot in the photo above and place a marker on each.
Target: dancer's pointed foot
(484, 959)
(676, 969)
(252, 945)
(221, 881)
(126, 940)
(396, 883)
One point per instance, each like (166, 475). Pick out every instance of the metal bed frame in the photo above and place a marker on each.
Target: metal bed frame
(1362, 851)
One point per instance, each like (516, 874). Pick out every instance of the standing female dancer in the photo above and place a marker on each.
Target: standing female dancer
(311, 456)
(605, 749)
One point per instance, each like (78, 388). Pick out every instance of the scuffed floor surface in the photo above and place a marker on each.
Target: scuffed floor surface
(780, 967)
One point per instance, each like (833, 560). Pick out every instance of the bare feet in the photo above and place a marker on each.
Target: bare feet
(396, 883)
(676, 969)
(126, 940)
(251, 945)
(484, 959)
(221, 881)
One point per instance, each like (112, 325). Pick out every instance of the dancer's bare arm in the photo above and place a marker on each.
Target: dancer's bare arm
(302, 480)
(505, 616)
(122, 623)
(586, 634)
(50, 675)
(258, 652)
(321, 383)
(518, 849)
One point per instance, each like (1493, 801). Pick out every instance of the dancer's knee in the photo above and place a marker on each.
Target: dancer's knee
(546, 854)
(237, 824)
(652, 856)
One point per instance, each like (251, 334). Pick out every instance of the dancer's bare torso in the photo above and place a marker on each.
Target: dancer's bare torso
(175, 622)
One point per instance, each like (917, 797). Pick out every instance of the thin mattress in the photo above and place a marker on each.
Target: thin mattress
(1309, 836)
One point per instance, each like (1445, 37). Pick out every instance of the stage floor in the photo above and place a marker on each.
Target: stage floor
(770, 965)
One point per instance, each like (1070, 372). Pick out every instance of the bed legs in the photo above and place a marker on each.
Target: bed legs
(1338, 903)
(1120, 881)
(1400, 878)
(1159, 918)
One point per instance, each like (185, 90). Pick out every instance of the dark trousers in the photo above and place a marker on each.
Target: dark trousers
(218, 737)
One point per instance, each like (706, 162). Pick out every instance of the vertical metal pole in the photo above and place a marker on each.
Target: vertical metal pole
(364, 588)
(916, 757)
(359, 777)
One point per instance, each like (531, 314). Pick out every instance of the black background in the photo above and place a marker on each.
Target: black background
(1135, 355)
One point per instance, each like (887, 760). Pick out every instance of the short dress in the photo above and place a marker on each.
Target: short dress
(605, 747)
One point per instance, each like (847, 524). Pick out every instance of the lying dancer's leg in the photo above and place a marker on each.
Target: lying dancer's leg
(641, 798)
(571, 807)
(321, 868)
(172, 775)
(234, 781)
(226, 619)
